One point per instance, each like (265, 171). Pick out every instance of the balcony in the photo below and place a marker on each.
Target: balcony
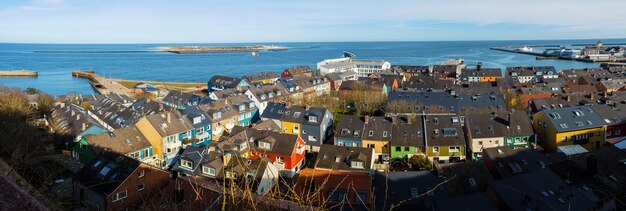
(300, 150)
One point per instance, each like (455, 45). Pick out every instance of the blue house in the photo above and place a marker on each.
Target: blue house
(247, 112)
(201, 123)
(218, 82)
(349, 131)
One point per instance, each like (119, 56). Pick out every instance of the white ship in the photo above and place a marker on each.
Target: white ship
(525, 49)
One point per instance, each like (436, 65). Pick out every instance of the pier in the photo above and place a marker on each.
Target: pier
(101, 84)
(541, 56)
(18, 73)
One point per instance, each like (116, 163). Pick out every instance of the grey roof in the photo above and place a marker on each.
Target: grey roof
(123, 140)
(424, 82)
(510, 162)
(290, 85)
(474, 202)
(412, 69)
(446, 102)
(407, 131)
(302, 114)
(339, 158)
(70, 119)
(299, 70)
(225, 81)
(444, 131)
(484, 125)
(475, 72)
(350, 126)
(573, 118)
(196, 116)
(612, 114)
(106, 172)
(274, 111)
(541, 190)
(394, 187)
(380, 128)
(169, 123)
(307, 82)
(262, 76)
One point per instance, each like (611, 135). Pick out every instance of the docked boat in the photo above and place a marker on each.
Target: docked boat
(255, 53)
(525, 49)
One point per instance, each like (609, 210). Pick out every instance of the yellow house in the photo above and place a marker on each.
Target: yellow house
(377, 134)
(579, 125)
(152, 135)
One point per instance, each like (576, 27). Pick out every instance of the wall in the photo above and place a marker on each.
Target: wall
(153, 137)
(153, 180)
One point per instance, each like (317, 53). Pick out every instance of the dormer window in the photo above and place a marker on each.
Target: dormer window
(436, 132)
(217, 115)
(208, 170)
(242, 107)
(243, 146)
(371, 133)
(356, 132)
(337, 159)
(385, 134)
(251, 105)
(356, 164)
(197, 120)
(312, 118)
(264, 145)
(186, 163)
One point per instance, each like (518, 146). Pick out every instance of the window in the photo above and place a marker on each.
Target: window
(354, 144)
(142, 173)
(371, 133)
(371, 146)
(385, 134)
(398, 149)
(208, 170)
(264, 145)
(186, 163)
(146, 153)
(337, 195)
(456, 148)
(406, 149)
(362, 196)
(357, 164)
(618, 132)
(241, 117)
(480, 143)
(120, 195)
(312, 138)
(140, 187)
(564, 139)
(436, 149)
(280, 160)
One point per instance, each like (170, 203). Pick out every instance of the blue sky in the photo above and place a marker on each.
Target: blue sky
(218, 21)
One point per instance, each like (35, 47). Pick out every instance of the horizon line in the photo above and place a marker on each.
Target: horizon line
(336, 41)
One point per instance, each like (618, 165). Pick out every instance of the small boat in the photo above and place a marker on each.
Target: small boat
(525, 49)
(255, 53)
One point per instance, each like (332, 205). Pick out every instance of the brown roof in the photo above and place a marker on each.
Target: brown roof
(169, 123)
(123, 140)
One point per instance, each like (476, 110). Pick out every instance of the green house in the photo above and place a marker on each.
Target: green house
(407, 139)
(128, 141)
(445, 139)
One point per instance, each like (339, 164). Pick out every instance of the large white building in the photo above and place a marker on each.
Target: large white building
(362, 67)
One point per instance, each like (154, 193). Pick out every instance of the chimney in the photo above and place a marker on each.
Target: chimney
(62, 105)
(160, 107)
(605, 94)
(78, 117)
(508, 121)
(479, 65)
(168, 117)
(227, 158)
(306, 107)
(591, 96)
(568, 98)
(84, 126)
(592, 165)
(367, 119)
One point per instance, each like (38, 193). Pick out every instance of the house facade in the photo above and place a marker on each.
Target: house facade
(579, 125)
(349, 131)
(376, 135)
(286, 151)
(116, 182)
(168, 132)
(445, 139)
